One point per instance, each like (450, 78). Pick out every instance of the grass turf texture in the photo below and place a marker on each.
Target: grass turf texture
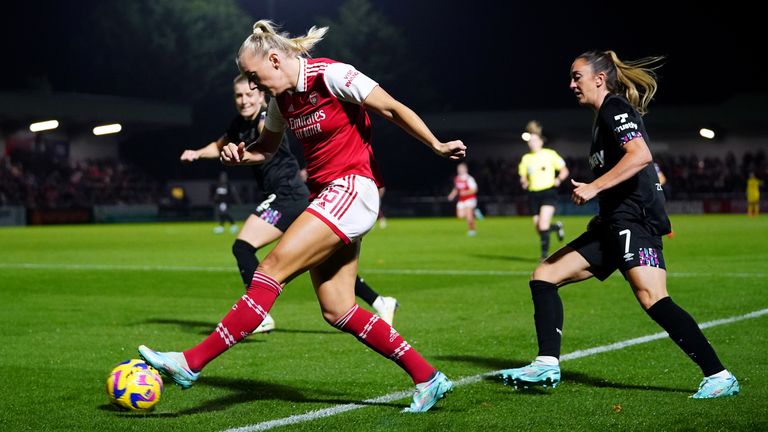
(76, 300)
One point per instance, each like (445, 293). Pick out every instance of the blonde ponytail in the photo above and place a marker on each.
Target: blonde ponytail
(634, 79)
(265, 36)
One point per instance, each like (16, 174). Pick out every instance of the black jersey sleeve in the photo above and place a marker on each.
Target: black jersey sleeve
(233, 131)
(625, 122)
(296, 149)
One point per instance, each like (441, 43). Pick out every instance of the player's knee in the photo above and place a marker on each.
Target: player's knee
(540, 272)
(242, 248)
(544, 272)
(331, 317)
(270, 263)
(333, 310)
(645, 300)
(648, 298)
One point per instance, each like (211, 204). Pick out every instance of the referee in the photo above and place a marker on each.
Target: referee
(541, 172)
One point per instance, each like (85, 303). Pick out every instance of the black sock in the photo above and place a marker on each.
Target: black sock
(548, 316)
(365, 292)
(245, 254)
(684, 331)
(544, 243)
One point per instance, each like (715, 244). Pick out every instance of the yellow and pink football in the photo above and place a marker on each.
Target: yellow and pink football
(134, 385)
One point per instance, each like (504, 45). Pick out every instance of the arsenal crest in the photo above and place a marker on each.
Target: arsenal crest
(313, 98)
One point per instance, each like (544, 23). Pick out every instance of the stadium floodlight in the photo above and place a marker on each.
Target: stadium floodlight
(526, 136)
(707, 133)
(107, 129)
(43, 126)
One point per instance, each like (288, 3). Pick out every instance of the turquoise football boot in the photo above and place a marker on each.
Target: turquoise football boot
(535, 374)
(714, 387)
(429, 392)
(170, 364)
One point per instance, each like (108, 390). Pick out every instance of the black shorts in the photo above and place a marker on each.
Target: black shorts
(541, 198)
(281, 211)
(619, 245)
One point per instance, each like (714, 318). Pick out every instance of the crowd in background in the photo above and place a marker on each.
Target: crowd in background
(38, 183)
(688, 176)
(692, 177)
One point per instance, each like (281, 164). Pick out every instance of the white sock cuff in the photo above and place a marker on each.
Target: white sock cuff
(722, 374)
(377, 303)
(548, 360)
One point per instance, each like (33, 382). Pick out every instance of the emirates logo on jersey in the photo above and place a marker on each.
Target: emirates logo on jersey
(313, 98)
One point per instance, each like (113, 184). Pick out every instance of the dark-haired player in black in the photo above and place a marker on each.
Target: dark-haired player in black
(286, 196)
(626, 234)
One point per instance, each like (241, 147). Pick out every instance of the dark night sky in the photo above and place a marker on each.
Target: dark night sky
(522, 51)
(476, 56)
(490, 55)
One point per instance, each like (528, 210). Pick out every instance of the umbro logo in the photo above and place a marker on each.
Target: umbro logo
(628, 256)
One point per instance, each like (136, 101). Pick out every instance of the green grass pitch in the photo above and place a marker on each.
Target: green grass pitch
(76, 300)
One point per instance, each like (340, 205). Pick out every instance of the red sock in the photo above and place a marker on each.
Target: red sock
(241, 320)
(379, 336)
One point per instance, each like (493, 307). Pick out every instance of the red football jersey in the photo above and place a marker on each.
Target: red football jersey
(466, 186)
(326, 114)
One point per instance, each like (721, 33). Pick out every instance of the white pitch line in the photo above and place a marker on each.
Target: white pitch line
(528, 273)
(338, 409)
(436, 272)
(113, 267)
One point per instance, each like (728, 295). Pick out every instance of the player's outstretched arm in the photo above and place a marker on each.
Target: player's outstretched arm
(211, 151)
(380, 102)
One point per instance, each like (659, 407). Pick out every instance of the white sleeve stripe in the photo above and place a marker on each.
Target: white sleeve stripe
(317, 66)
(347, 83)
(274, 121)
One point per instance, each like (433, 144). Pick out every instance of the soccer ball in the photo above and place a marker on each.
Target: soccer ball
(134, 385)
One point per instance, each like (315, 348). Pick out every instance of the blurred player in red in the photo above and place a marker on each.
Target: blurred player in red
(325, 104)
(465, 187)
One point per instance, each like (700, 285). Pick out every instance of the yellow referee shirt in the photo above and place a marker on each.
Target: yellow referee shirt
(540, 169)
(753, 189)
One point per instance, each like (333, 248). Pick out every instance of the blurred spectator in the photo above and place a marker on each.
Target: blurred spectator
(687, 176)
(753, 195)
(224, 195)
(36, 183)
(31, 181)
